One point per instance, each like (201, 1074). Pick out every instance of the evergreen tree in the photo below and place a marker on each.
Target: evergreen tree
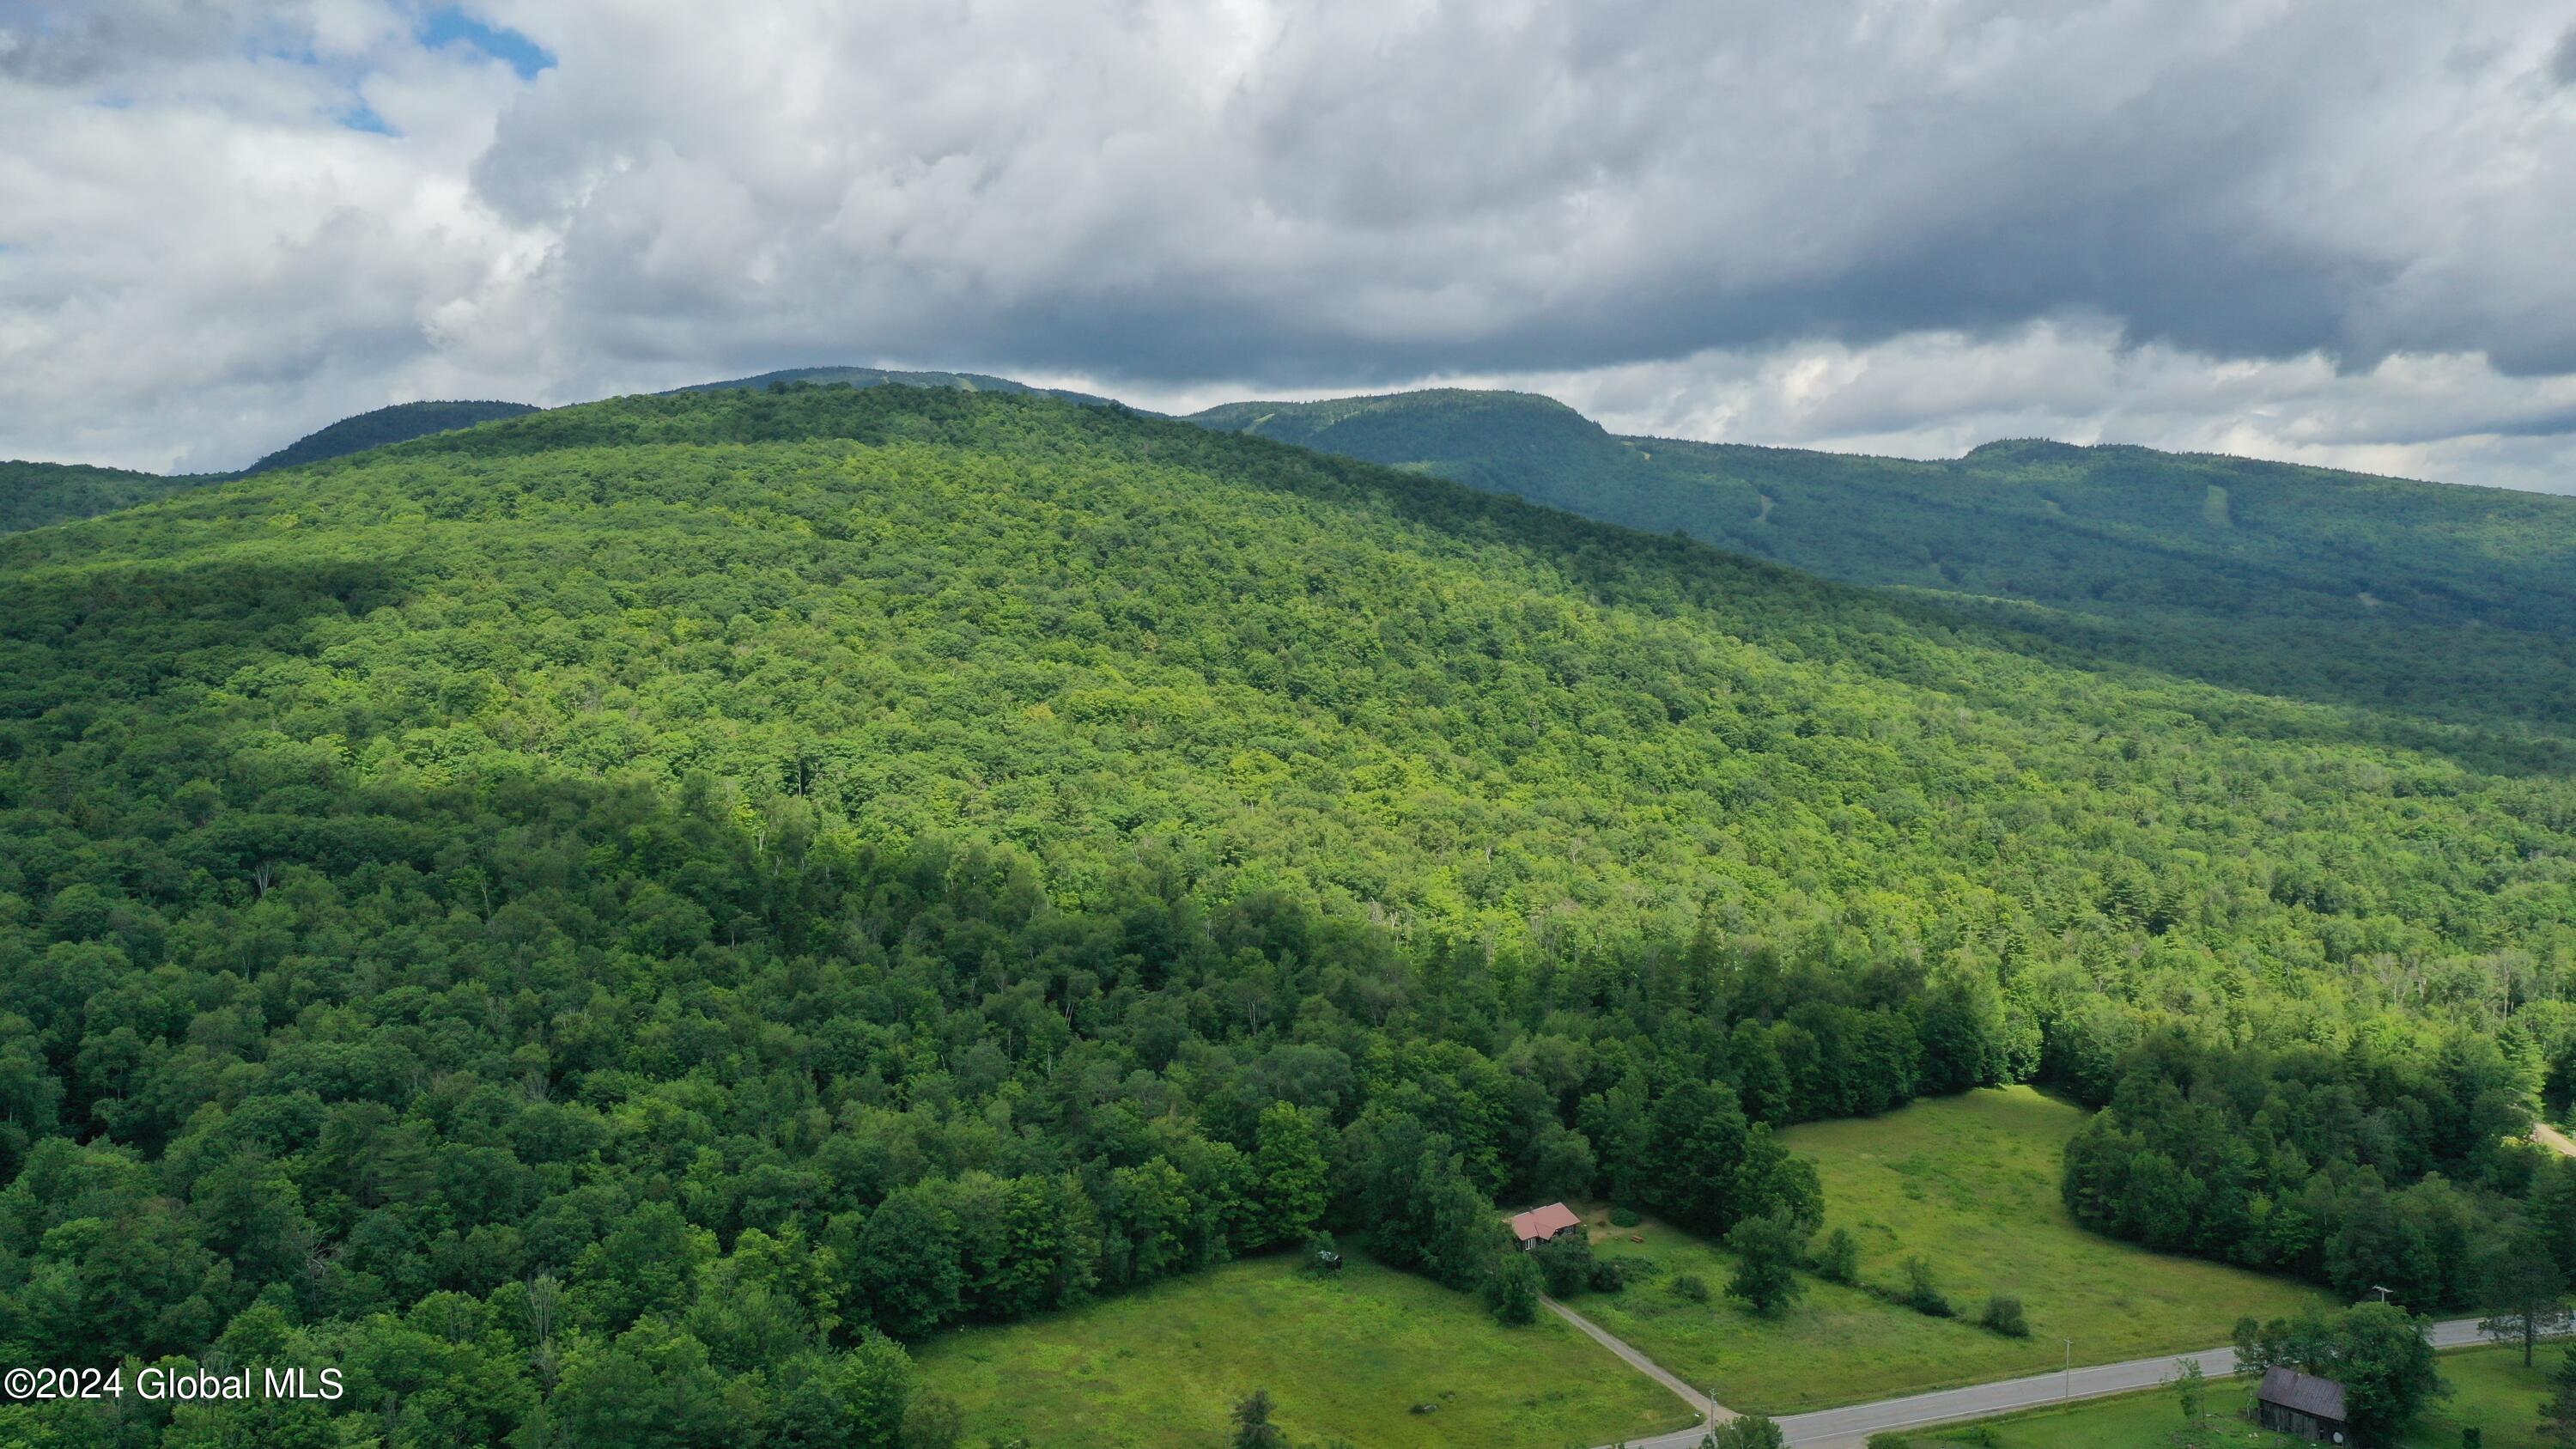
(2522, 1290)
(2558, 1411)
(1252, 1426)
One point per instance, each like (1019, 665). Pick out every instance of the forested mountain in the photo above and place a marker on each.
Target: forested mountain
(399, 423)
(600, 925)
(2418, 598)
(879, 377)
(35, 494)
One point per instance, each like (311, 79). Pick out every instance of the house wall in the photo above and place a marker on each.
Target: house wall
(2284, 1420)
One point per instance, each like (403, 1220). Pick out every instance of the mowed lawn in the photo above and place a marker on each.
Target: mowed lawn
(1347, 1356)
(1970, 1184)
(2491, 1391)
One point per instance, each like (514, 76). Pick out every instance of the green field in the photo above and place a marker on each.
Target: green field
(1970, 1184)
(2491, 1390)
(1343, 1357)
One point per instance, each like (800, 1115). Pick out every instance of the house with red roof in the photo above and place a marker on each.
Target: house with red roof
(1538, 1225)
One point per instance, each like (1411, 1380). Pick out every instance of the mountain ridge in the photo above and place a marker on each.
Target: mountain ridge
(880, 376)
(2330, 585)
(380, 427)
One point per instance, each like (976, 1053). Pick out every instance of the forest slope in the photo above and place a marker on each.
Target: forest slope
(1052, 628)
(619, 906)
(2419, 598)
(33, 495)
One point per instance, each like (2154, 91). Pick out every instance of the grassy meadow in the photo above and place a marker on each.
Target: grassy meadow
(1347, 1356)
(2490, 1390)
(1970, 1184)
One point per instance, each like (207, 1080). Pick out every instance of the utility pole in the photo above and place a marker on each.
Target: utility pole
(2382, 1292)
(2069, 1395)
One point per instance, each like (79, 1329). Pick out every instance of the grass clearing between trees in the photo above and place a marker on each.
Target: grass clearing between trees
(1969, 1183)
(2491, 1390)
(1346, 1355)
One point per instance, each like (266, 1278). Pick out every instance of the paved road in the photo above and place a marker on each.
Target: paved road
(1850, 1428)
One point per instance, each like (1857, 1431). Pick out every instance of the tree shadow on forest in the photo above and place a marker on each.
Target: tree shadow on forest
(127, 632)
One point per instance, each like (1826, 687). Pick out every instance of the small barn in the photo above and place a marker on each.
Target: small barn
(2290, 1402)
(1540, 1224)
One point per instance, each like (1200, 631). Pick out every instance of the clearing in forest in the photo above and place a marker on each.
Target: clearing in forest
(1347, 1355)
(1969, 1184)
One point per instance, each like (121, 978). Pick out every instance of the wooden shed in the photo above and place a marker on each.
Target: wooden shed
(2290, 1402)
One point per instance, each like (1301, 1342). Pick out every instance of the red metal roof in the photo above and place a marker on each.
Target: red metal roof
(1544, 1222)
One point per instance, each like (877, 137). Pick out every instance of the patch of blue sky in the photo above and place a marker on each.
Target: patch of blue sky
(359, 116)
(451, 25)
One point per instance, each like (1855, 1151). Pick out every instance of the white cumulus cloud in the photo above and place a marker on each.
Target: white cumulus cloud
(2329, 232)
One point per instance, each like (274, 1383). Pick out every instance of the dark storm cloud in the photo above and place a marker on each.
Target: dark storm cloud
(1358, 192)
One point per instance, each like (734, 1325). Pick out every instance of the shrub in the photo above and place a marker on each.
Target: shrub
(2003, 1314)
(1689, 1285)
(932, 1421)
(1609, 1275)
(1838, 1257)
(1512, 1289)
(1748, 1431)
(1565, 1263)
(1321, 1254)
(1921, 1293)
(1624, 1217)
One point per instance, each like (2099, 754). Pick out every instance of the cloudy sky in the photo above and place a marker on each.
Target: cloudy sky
(2336, 231)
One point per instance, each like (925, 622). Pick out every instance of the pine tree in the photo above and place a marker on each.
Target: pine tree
(1252, 1426)
(2558, 1413)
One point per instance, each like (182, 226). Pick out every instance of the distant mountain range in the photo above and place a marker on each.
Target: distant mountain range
(33, 495)
(879, 377)
(385, 426)
(2309, 582)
